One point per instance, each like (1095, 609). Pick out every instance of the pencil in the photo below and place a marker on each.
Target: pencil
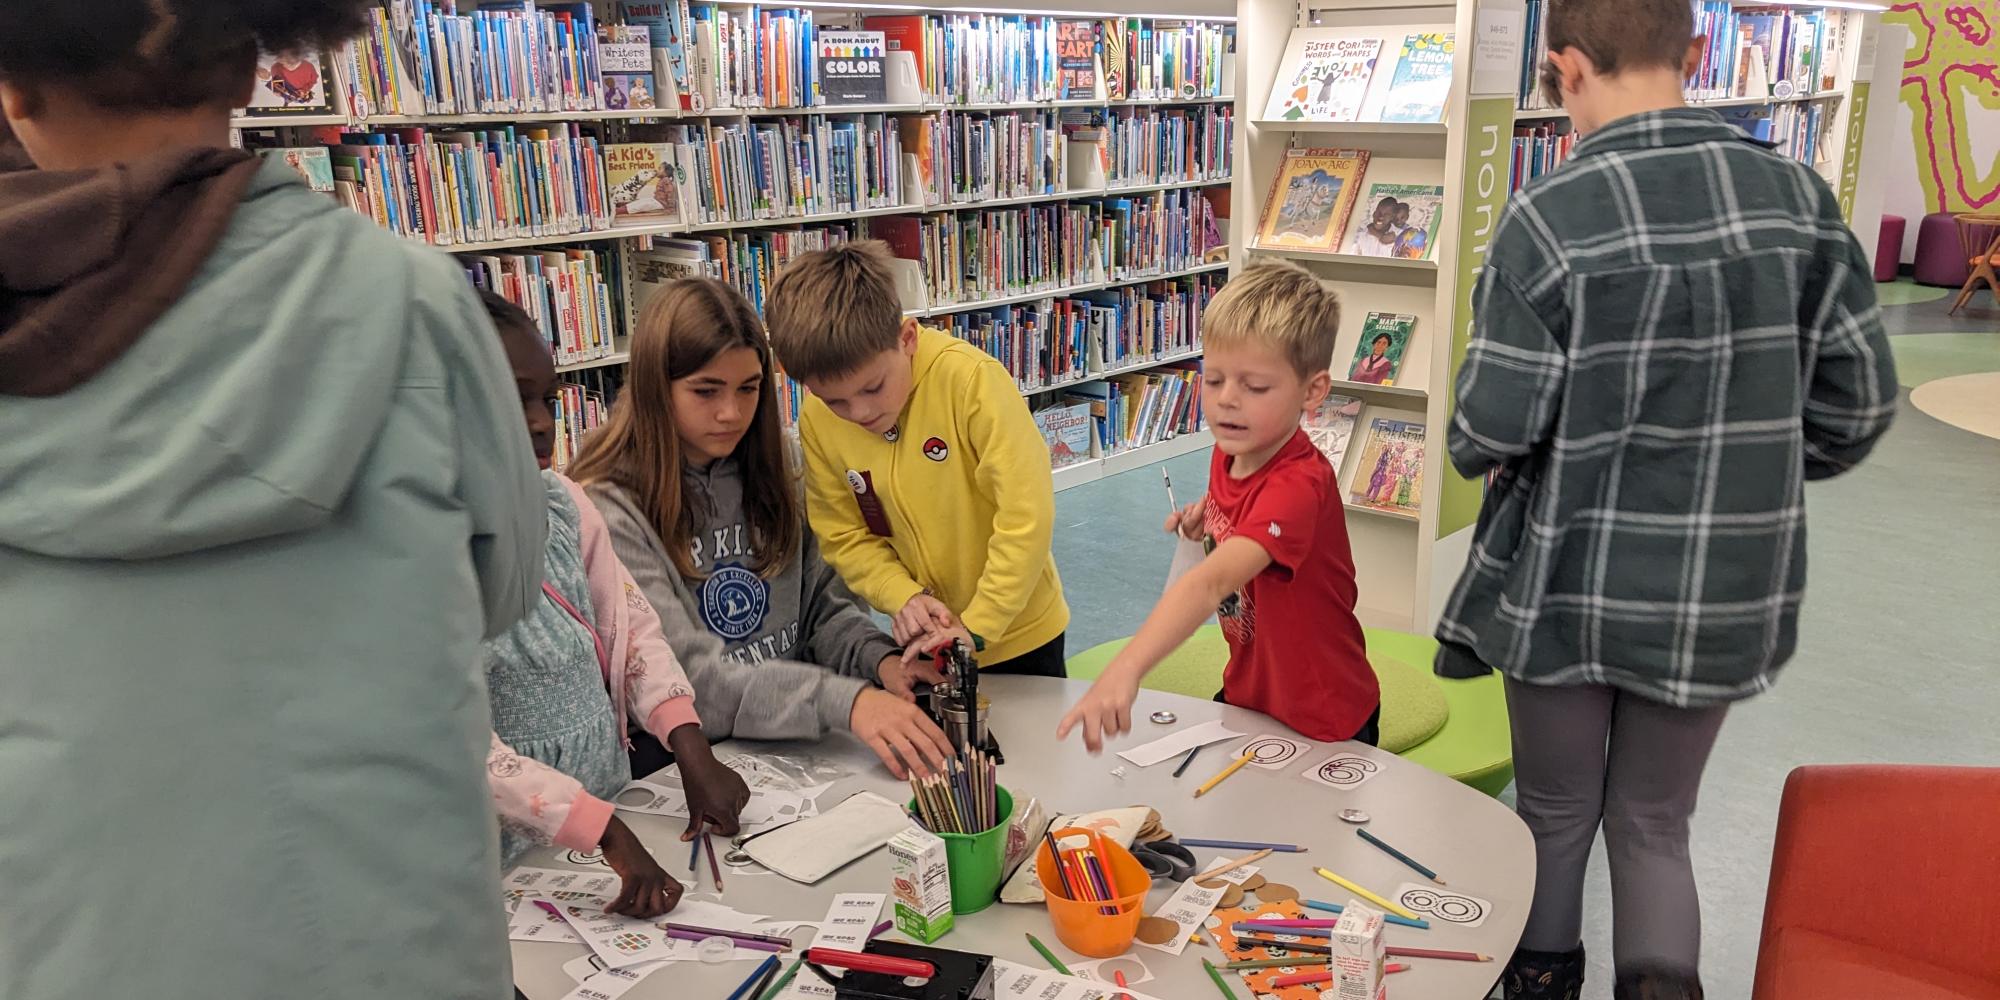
(784, 980)
(1389, 967)
(694, 859)
(1302, 978)
(1317, 904)
(714, 870)
(1274, 963)
(1271, 941)
(1226, 772)
(1055, 858)
(770, 973)
(1233, 865)
(1242, 845)
(769, 962)
(1220, 983)
(1169, 480)
(1398, 855)
(1048, 956)
(1454, 956)
(1185, 761)
(1364, 894)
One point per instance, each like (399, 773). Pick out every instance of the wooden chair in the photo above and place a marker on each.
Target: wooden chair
(1979, 238)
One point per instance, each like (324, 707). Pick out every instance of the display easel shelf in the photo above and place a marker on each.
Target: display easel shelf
(415, 144)
(1406, 564)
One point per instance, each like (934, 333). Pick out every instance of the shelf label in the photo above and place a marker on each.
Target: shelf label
(1482, 192)
(1496, 48)
(1850, 159)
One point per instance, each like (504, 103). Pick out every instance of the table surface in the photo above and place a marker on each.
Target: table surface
(1474, 842)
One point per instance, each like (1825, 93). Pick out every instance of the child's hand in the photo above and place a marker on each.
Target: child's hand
(900, 676)
(937, 641)
(1104, 711)
(645, 889)
(716, 795)
(900, 733)
(1187, 521)
(923, 613)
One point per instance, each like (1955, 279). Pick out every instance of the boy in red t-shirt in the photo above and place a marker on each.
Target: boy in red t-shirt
(1278, 567)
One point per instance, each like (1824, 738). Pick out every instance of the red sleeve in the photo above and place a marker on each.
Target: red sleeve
(1284, 514)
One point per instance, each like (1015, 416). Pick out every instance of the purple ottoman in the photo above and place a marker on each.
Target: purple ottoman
(1939, 261)
(1889, 247)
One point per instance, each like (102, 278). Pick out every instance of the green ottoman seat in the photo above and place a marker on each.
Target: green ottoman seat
(1457, 728)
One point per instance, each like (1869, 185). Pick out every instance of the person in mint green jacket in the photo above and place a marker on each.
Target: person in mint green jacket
(264, 488)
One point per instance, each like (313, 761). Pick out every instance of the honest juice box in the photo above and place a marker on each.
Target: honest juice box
(1357, 953)
(920, 884)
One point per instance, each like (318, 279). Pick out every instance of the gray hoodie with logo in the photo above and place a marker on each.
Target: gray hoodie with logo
(771, 659)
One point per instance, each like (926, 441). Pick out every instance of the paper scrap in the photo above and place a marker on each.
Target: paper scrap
(1343, 770)
(583, 967)
(532, 923)
(551, 883)
(1271, 752)
(849, 919)
(1191, 905)
(612, 983)
(625, 941)
(1012, 980)
(1174, 744)
(1442, 905)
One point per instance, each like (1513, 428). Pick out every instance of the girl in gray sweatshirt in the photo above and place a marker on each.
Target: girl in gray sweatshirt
(695, 480)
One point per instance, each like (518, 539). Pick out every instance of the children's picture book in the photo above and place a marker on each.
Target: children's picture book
(1324, 77)
(625, 59)
(1397, 220)
(1379, 356)
(1111, 58)
(1310, 199)
(313, 163)
(290, 83)
(851, 67)
(1067, 428)
(1390, 474)
(1076, 59)
(1331, 426)
(666, 28)
(640, 175)
(1421, 80)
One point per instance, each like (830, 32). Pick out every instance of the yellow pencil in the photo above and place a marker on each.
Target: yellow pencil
(1364, 894)
(1226, 772)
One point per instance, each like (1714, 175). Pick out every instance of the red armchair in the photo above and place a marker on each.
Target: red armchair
(1884, 884)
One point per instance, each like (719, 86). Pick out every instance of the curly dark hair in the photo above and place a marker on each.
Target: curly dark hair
(161, 53)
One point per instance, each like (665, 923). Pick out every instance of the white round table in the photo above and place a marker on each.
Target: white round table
(1475, 843)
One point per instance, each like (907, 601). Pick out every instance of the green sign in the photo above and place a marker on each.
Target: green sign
(1850, 160)
(1482, 192)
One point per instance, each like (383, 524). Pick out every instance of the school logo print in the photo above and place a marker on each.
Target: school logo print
(935, 450)
(734, 601)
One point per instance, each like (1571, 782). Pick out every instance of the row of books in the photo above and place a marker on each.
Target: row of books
(1798, 129)
(425, 57)
(1125, 412)
(746, 260)
(1317, 191)
(1146, 145)
(580, 409)
(1058, 341)
(1389, 472)
(1777, 52)
(1538, 149)
(1332, 75)
(769, 169)
(568, 291)
(979, 58)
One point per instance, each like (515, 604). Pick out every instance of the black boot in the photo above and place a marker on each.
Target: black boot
(1543, 975)
(1657, 983)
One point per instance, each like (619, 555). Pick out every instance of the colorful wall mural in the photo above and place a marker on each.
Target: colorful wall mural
(1951, 87)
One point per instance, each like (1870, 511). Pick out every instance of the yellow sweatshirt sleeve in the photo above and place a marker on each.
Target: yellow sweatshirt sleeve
(865, 561)
(1014, 472)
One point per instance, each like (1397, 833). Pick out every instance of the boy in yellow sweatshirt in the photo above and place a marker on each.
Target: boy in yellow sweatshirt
(927, 481)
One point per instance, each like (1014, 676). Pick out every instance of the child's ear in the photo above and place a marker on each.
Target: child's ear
(1317, 388)
(906, 336)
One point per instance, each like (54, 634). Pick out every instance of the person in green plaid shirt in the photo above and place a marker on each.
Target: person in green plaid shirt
(1673, 332)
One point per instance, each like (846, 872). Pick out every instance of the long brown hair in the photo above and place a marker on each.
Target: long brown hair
(681, 329)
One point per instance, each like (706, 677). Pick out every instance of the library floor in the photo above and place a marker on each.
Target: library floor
(1899, 653)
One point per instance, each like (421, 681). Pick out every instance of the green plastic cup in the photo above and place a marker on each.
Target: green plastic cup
(976, 859)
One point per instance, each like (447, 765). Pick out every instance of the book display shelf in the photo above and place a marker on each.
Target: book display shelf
(1378, 144)
(1054, 183)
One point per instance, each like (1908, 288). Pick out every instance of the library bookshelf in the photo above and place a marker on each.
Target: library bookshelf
(1480, 151)
(1143, 205)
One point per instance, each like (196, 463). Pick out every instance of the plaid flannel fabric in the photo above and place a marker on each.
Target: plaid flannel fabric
(1674, 331)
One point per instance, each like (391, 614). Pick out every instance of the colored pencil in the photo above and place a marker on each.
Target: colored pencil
(1302, 978)
(1185, 761)
(694, 859)
(1226, 772)
(1242, 845)
(1055, 858)
(1263, 941)
(1453, 956)
(1220, 983)
(770, 973)
(1398, 855)
(738, 935)
(714, 870)
(1311, 922)
(1260, 927)
(680, 935)
(880, 929)
(1393, 967)
(1320, 904)
(1274, 963)
(1233, 865)
(1047, 955)
(784, 980)
(770, 962)
(1364, 894)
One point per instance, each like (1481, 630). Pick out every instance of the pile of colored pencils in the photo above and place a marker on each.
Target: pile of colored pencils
(1085, 872)
(960, 799)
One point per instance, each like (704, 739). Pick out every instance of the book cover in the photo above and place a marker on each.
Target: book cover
(640, 175)
(1390, 474)
(1067, 429)
(1331, 427)
(290, 83)
(1422, 79)
(1310, 199)
(1323, 78)
(1379, 355)
(851, 67)
(314, 164)
(1076, 60)
(625, 57)
(1111, 53)
(903, 33)
(1397, 220)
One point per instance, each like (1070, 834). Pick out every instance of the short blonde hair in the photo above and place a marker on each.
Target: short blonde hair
(831, 311)
(1277, 306)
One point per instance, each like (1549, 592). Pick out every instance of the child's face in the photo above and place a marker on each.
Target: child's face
(714, 406)
(874, 394)
(1254, 399)
(535, 378)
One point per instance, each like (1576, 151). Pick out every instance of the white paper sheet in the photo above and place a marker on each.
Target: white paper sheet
(1190, 906)
(1271, 752)
(767, 809)
(624, 942)
(611, 984)
(1011, 980)
(1343, 770)
(1176, 743)
(553, 882)
(1440, 905)
(532, 923)
(1103, 970)
(847, 923)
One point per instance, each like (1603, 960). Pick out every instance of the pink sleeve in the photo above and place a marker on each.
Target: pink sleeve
(543, 799)
(651, 685)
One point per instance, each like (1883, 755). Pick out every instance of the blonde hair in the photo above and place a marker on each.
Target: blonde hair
(833, 311)
(681, 329)
(1277, 306)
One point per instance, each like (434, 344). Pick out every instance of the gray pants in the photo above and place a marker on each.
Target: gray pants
(1590, 755)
